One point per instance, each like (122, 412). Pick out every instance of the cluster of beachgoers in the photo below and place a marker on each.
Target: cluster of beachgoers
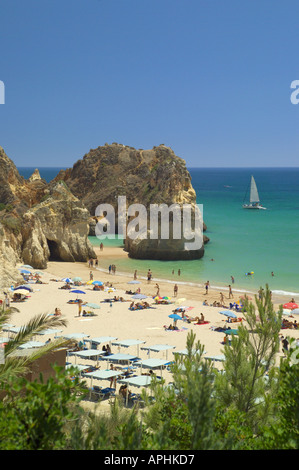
(108, 314)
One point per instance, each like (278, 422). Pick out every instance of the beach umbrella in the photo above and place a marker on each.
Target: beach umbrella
(67, 279)
(290, 305)
(228, 313)
(91, 305)
(231, 332)
(76, 336)
(24, 271)
(97, 283)
(219, 357)
(77, 291)
(175, 316)
(166, 298)
(77, 279)
(23, 288)
(287, 312)
(158, 348)
(22, 291)
(32, 344)
(139, 296)
(26, 266)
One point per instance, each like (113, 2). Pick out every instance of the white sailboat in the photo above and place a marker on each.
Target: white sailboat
(254, 200)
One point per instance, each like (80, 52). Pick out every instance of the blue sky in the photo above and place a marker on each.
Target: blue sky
(208, 78)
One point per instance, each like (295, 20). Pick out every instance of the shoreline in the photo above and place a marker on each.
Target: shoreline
(112, 253)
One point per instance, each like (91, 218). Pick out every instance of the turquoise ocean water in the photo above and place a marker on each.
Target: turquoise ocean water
(241, 240)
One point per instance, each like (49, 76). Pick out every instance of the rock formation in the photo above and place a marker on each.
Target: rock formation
(8, 259)
(39, 222)
(56, 229)
(155, 176)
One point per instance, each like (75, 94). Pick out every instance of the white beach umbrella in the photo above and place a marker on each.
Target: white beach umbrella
(295, 311)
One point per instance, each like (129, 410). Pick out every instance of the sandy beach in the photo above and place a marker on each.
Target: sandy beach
(116, 320)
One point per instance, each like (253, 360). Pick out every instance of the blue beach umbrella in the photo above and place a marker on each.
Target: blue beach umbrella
(97, 283)
(175, 316)
(228, 313)
(23, 287)
(76, 291)
(24, 271)
(67, 279)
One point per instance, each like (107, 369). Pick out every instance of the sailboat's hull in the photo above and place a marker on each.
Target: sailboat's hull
(253, 206)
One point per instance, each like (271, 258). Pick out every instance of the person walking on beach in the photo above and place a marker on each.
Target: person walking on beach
(175, 290)
(79, 307)
(110, 267)
(207, 287)
(158, 289)
(90, 276)
(135, 274)
(221, 298)
(230, 292)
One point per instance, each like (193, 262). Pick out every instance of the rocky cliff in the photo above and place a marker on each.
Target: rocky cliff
(39, 221)
(147, 177)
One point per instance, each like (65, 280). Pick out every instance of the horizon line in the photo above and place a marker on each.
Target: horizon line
(191, 167)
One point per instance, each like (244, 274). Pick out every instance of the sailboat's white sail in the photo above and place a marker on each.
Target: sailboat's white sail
(254, 200)
(254, 195)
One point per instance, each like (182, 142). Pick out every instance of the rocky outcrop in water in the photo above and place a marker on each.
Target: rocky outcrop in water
(146, 177)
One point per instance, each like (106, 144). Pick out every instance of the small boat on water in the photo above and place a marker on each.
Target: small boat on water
(254, 200)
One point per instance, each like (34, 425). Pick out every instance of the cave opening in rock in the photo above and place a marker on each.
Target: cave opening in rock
(54, 251)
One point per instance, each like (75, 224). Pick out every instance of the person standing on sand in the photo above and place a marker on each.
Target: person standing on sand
(158, 289)
(207, 287)
(79, 307)
(135, 274)
(230, 292)
(221, 298)
(175, 290)
(90, 276)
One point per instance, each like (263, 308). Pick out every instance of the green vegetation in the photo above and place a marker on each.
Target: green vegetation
(6, 207)
(252, 404)
(12, 223)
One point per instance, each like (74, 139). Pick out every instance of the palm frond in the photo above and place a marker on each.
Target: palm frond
(17, 364)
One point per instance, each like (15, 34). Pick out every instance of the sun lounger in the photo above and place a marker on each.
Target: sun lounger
(106, 393)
